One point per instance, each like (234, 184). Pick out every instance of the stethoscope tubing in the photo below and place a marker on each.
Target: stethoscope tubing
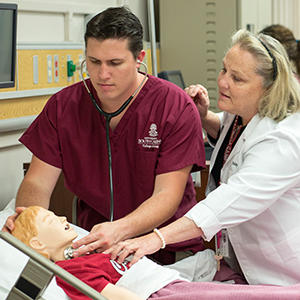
(108, 117)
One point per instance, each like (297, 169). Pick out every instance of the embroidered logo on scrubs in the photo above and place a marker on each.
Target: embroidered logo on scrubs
(153, 131)
(120, 268)
(151, 141)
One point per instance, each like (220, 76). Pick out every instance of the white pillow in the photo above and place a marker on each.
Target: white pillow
(13, 261)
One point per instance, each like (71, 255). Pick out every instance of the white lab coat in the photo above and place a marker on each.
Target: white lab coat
(258, 200)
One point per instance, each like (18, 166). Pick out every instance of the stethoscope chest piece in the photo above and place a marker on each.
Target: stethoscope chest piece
(68, 253)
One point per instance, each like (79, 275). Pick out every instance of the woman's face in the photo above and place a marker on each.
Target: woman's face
(240, 88)
(55, 232)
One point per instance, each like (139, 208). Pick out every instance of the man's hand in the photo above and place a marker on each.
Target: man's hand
(9, 224)
(101, 237)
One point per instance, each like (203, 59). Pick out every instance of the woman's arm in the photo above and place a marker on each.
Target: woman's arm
(211, 124)
(178, 231)
(210, 121)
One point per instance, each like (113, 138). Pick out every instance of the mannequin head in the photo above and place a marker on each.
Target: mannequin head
(44, 232)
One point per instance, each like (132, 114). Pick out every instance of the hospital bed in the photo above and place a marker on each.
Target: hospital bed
(13, 261)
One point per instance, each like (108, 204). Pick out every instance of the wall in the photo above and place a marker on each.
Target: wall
(256, 13)
(12, 157)
(286, 13)
(45, 27)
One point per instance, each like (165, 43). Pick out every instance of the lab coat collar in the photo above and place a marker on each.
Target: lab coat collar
(245, 135)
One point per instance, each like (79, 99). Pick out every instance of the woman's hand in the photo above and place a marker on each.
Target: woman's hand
(180, 230)
(139, 247)
(200, 96)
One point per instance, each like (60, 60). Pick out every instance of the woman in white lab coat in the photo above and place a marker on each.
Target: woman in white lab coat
(253, 193)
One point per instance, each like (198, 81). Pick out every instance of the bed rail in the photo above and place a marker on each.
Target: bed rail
(47, 270)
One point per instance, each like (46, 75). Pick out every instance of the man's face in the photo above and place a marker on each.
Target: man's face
(53, 231)
(112, 69)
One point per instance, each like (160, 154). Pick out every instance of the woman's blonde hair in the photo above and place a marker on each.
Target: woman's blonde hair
(282, 95)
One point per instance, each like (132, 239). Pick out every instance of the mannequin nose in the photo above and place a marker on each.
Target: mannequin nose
(63, 219)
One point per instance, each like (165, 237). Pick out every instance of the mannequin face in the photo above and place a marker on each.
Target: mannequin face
(54, 234)
(54, 231)
(44, 232)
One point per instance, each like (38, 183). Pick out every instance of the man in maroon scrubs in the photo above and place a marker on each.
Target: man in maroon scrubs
(154, 142)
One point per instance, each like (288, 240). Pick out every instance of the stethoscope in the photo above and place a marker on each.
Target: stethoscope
(108, 117)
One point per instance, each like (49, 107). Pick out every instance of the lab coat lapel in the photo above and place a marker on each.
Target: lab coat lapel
(234, 159)
(225, 127)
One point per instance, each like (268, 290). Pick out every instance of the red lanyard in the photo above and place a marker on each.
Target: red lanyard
(233, 136)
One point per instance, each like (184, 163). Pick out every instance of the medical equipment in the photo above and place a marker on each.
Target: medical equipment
(68, 252)
(38, 272)
(108, 117)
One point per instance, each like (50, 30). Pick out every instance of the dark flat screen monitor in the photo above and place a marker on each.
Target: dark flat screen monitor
(8, 44)
(173, 76)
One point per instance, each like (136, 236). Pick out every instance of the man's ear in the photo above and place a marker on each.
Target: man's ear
(141, 56)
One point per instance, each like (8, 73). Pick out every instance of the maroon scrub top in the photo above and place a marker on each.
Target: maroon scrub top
(160, 132)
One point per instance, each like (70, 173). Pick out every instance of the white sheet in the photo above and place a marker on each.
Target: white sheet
(200, 267)
(147, 277)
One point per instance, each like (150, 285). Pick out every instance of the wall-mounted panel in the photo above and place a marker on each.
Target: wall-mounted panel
(41, 71)
(46, 68)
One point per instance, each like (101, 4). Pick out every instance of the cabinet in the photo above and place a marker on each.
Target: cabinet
(194, 35)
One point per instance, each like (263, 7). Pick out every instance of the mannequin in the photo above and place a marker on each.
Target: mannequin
(33, 229)
(50, 235)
